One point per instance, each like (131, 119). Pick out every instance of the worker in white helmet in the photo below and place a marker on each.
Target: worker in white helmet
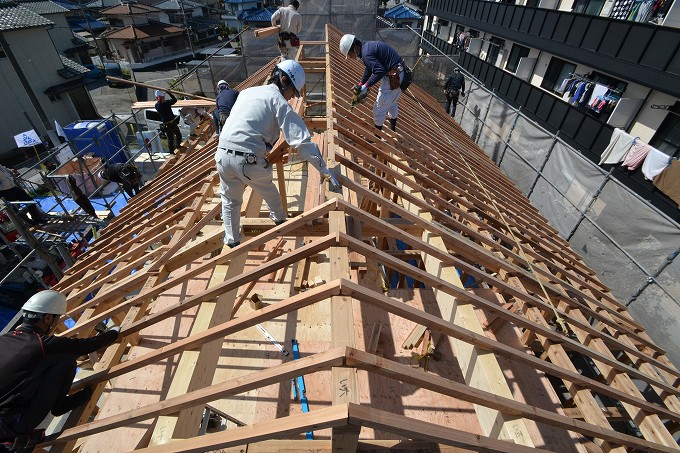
(263, 113)
(38, 370)
(382, 63)
(224, 102)
(170, 120)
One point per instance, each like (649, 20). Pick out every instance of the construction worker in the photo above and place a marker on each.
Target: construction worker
(263, 113)
(291, 24)
(226, 97)
(38, 370)
(10, 191)
(453, 88)
(170, 120)
(126, 175)
(382, 63)
(193, 115)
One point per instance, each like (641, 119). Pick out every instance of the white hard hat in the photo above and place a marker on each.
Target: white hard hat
(159, 93)
(46, 302)
(346, 44)
(294, 71)
(222, 83)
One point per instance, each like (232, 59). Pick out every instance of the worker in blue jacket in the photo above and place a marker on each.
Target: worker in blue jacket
(382, 63)
(38, 370)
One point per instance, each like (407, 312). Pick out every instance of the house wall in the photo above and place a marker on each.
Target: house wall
(39, 62)
(61, 33)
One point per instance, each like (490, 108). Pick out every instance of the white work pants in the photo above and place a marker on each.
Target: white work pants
(234, 174)
(289, 52)
(386, 102)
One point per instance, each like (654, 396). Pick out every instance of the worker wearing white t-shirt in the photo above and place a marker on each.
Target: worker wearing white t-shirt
(263, 113)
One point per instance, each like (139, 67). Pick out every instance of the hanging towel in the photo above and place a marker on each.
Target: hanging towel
(655, 163)
(598, 91)
(618, 147)
(668, 181)
(636, 155)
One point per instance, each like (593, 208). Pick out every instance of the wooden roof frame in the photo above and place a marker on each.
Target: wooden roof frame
(429, 187)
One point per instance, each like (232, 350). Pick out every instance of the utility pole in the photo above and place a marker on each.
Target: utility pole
(184, 17)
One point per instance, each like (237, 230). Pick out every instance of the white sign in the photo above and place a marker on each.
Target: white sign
(27, 139)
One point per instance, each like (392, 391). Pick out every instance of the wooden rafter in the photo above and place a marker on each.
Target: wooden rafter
(428, 243)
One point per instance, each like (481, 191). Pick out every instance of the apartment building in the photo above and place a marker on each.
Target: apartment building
(529, 52)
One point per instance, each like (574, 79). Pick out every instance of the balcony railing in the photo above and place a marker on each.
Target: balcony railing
(643, 53)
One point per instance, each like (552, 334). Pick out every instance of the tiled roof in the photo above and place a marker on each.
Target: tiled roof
(262, 15)
(17, 17)
(129, 9)
(402, 12)
(46, 7)
(173, 5)
(141, 31)
(71, 68)
(99, 4)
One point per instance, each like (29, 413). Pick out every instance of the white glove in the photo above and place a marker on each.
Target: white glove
(115, 329)
(364, 90)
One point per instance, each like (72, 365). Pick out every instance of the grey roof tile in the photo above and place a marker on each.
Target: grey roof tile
(14, 17)
(46, 7)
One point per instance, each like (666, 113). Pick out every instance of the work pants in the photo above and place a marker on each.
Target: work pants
(174, 134)
(386, 103)
(451, 103)
(287, 51)
(235, 174)
(223, 119)
(46, 391)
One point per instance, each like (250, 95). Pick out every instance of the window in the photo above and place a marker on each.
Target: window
(495, 46)
(516, 53)
(667, 137)
(557, 71)
(591, 7)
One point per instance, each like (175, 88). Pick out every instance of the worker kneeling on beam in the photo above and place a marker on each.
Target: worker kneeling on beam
(263, 113)
(38, 370)
(382, 63)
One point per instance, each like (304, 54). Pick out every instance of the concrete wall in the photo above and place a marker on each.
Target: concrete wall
(39, 62)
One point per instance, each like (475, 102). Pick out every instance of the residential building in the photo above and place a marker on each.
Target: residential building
(234, 8)
(39, 85)
(193, 15)
(143, 35)
(65, 41)
(529, 51)
(405, 15)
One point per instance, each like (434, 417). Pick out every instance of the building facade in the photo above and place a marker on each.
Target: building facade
(40, 86)
(529, 52)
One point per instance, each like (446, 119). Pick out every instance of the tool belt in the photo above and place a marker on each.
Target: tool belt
(452, 92)
(288, 36)
(393, 75)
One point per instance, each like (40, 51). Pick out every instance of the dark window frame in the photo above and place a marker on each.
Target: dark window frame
(517, 52)
(557, 69)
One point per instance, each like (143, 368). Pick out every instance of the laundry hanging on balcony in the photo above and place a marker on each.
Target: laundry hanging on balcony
(668, 181)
